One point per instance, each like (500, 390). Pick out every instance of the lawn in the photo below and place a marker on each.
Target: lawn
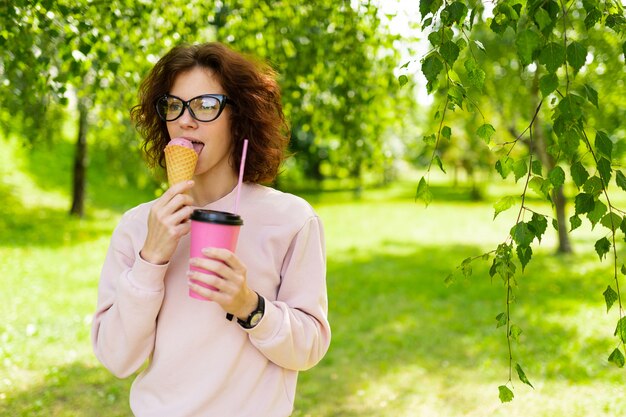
(404, 344)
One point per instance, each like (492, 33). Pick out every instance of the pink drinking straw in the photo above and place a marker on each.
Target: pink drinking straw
(242, 165)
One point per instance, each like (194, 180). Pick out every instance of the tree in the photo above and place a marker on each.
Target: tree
(568, 121)
(336, 62)
(94, 51)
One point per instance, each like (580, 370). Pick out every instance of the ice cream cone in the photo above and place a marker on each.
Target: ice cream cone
(180, 163)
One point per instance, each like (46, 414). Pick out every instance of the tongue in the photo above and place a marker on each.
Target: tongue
(197, 146)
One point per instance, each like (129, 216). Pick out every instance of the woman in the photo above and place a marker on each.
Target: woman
(200, 363)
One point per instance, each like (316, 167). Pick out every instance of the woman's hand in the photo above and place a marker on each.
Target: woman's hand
(233, 293)
(168, 221)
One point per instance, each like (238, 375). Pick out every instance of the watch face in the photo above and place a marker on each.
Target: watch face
(256, 318)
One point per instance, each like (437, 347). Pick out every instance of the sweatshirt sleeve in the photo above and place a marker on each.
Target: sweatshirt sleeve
(130, 294)
(294, 332)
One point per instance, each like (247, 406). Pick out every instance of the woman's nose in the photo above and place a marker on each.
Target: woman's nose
(186, 120)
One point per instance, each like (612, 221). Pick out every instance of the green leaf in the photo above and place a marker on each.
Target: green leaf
(604, 168)
(461, 43)
(552, 56)
(611, 221)
(527, 42)
(524, 254)
(466, 267)
(610, 297)
(624, 49)
(596, 214)
(568, 135)
(457, 94)
(520, 168)
(521, 234)
(446, 132)
(485, 132)
(456, 13)
(431, 67)
(439, 163)
(570, 107)
(583, 203)
(592, 95)
(505, 394)
(620, 330)
(503, 204)
(548, 83)
(437, 38)
(575, 222)
(522, 375)
(541, 187)
(604, 145)
(502, 263)
(538, 225)
(617, 358)
(423, 192)
(504, 166)
(536, 167)
(593, 17)
(543, 19)
(514, 332)
(430, 139)
(620, 179)
(403, 79)
(476, 76)
(579, 174)
(450, 52)
(557, 176)
(616, 21)
(429, 6)
(501, 320)
(593, 186)
(576, 55)
(602, 247)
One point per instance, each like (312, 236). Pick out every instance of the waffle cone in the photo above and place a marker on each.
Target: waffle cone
(180, 163)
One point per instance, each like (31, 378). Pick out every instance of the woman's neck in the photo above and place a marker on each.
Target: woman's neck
(210, 188)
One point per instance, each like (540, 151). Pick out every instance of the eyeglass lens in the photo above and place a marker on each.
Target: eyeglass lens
(203, 108)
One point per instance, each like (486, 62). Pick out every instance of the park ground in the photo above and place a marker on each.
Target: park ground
(404, 343)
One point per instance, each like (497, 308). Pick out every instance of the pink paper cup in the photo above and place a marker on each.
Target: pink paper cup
(212, 229)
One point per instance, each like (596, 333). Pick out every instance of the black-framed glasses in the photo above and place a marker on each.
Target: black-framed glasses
(204, 108)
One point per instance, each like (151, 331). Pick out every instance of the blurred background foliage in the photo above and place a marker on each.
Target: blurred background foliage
(67, 64)
(70, 71)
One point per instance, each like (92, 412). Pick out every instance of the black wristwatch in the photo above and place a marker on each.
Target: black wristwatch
(255, 317)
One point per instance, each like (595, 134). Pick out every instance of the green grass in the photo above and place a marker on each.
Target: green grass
(403, 343)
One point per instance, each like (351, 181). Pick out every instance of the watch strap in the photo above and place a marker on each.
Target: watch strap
(258, 311)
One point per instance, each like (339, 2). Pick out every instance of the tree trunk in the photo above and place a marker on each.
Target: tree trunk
(558, 197)
(80, 163)
(559, 205)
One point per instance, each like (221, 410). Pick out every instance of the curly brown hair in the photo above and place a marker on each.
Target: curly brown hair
(256, 115)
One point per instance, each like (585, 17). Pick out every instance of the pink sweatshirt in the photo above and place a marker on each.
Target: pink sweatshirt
(199, 363)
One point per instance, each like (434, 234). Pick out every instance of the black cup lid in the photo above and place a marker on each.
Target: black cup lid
(214, 216)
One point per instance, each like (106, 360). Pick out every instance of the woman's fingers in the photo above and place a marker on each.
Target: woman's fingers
(227, 257)
(178, 188)
(215, 266)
